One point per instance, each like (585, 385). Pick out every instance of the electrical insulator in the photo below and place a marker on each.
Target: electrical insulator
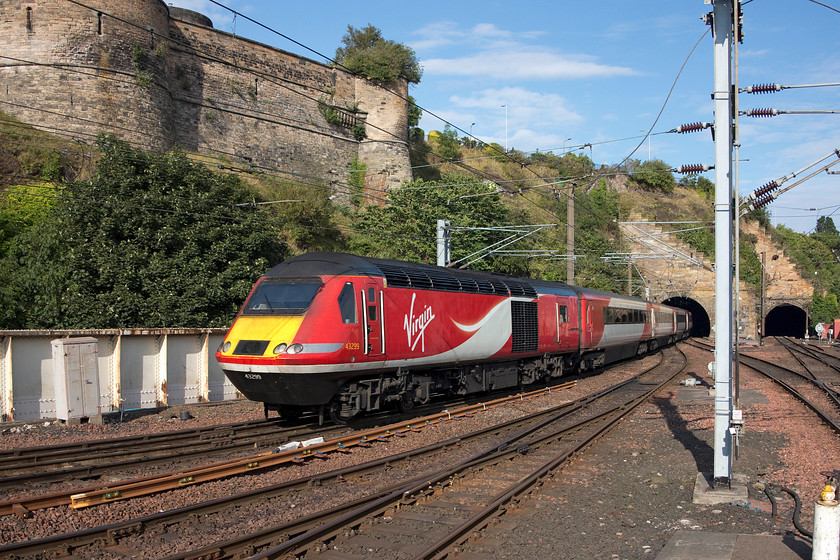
(761, 201)
(762, 112)
(766, 188)
(692, 127)
(692, 169)
(764, 88)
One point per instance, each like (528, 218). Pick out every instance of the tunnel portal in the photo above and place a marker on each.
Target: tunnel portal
(702, 326)
(786, 320)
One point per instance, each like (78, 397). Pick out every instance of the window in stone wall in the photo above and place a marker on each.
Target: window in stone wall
(29, 18)
(99, 23)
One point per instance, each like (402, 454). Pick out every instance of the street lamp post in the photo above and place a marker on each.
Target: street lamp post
(564, 144)
(506, 128)
(471, 136)
(643, 130)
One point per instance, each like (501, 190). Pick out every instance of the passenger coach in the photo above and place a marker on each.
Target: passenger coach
(342, 334)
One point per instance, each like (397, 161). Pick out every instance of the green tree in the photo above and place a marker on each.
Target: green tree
(760, 215)
(827, 234)
(366, 52)
(151, 241)
(495, 150)
(826, 225)
(824, 309)
(700, 184)
(446, 143)
(21, 207)
(654, 175)
(405, 228)
(414, 113)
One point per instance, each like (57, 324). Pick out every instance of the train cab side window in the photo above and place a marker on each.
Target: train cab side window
(371, 304)
(347, 304)
(561, 314)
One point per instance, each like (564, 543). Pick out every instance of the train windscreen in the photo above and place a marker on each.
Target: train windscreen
(284, 296)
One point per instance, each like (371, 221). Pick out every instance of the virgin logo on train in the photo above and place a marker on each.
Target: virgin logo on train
(415, 325)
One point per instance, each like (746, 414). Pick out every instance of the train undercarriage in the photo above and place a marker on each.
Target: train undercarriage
(404, 389)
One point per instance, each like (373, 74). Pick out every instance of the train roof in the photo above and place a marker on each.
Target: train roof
(402, 274)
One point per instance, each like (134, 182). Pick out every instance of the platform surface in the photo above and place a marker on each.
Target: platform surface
(700, 545)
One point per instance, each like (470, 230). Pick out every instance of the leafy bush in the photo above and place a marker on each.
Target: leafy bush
(654, 175)
(151, 241)
(366, 52)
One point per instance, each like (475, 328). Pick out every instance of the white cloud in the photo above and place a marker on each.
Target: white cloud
(534, 64)
(523, 106)
(482, 35)
(534, 119)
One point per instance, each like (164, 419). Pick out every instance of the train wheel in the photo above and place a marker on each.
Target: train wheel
(406, 403)
(339, 415)
(291, 412)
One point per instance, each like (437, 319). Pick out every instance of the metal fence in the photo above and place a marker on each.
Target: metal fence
(138, 368)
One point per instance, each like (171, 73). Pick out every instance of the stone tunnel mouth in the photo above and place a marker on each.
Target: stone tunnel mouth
(786, 320)
(702, 326)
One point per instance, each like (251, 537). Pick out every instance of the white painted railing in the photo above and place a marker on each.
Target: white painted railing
(138, 368)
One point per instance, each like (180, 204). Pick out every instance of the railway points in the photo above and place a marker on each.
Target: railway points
(627, 496)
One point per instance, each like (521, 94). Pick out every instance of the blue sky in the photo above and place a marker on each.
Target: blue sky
(599, 73)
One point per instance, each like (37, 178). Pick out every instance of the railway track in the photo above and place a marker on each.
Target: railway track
(38, 468)
(460, 484)
(333, 440)
(820, 365)
(72, 466)
(806, 386)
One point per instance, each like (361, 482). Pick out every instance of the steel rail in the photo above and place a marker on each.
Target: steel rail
(117, 461)
(478, 521)
(138, 525)
(297, 545)
(62, 450)
(794, 348)
(761, 366)
(168, 481)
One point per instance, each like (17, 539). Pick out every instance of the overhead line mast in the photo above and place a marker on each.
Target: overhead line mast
(722, 25)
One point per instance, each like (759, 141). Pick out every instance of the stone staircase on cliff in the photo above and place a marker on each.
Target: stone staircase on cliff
(671, 269)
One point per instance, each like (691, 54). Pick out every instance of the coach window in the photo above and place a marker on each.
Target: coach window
(371, 304)
(347, 304)
(561, 314)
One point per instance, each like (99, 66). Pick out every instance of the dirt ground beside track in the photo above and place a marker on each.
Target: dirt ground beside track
(631, 491)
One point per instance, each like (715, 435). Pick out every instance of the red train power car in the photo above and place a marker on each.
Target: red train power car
(342, 334)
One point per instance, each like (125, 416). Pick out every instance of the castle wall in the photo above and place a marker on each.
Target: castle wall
(385, 148)
(76, 71)
(161, 80)
(239, 98)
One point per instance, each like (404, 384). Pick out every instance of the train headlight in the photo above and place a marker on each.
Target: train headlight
(295, 348)
(226, 346)
(280, 348)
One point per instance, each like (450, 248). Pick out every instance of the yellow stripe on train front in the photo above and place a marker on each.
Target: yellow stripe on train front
(273, 328)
